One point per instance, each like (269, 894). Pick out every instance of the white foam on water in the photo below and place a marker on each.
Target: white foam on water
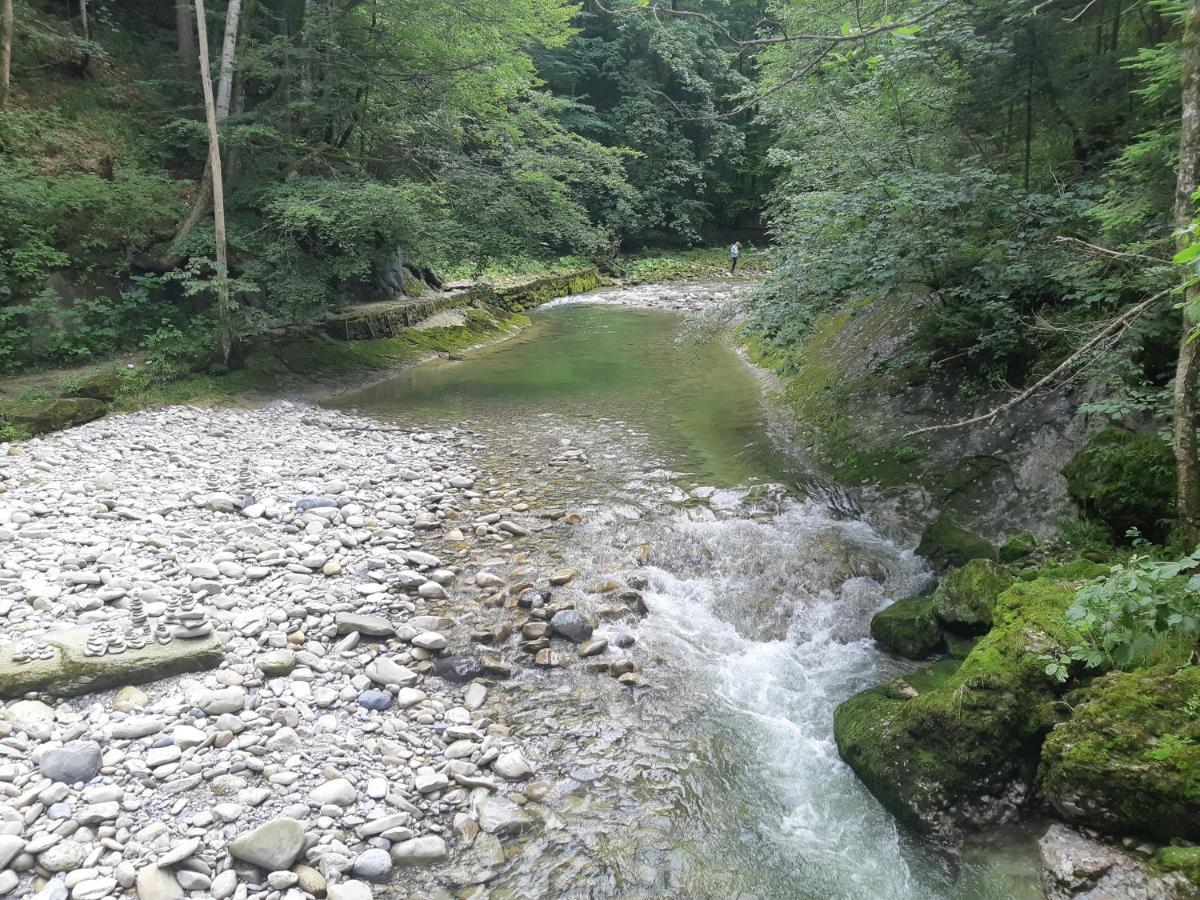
(781, 691)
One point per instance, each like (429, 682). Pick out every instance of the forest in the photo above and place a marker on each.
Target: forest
(969, 279)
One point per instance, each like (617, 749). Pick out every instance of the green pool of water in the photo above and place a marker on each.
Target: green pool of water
(701, 406)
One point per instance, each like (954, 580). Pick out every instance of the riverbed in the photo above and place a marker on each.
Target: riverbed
(718, 775)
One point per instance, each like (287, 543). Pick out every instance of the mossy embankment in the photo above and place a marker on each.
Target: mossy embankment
(857, 411)
(360, 340)
(999, 736)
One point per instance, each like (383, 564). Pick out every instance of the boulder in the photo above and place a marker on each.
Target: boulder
(956, 745)
(965, 598)
(70, 671)
(1126, 480)
(908, 627)
(421, 851)
(571, 624)
(944, 543)
(101, 386)
(1017, 547)
(54, 415)
(1128, 759)
(74, 762)
(271, 846)
(368, 626)
(1075, 867)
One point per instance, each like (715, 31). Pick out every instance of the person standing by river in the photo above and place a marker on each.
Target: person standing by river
(735, 250)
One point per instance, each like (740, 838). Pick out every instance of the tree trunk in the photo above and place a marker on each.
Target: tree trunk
(1188, 366)
(228, 52)
(185, 37)
(225, 333)
(224, 87)
(6, 7)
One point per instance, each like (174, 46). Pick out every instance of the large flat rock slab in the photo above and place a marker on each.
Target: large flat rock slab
(70, 672)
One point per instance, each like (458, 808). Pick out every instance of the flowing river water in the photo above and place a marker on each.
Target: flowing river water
(720, 779)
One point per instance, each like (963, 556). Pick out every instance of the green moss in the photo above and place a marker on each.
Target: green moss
(1126, 480)
(908, 627)
(944, 543)
(966, 596)
(946, 757)
(44, 416)
(1018, 547)
(959, 646)
(1128, 760)
(1185, 860)
(1075, 570)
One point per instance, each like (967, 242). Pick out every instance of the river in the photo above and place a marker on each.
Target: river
(720, 778)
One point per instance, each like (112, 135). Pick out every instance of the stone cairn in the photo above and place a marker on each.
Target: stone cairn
(28, 651)
(193, 622)
(104, 638)
(138, 634)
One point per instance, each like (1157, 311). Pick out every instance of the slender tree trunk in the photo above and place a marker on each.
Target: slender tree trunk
(224, 311)
(185, 37)
(6, 9)
(228, 52)
(1188, 367)
(224, 87)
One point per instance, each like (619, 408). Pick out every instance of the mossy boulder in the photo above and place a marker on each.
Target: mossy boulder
(1018, 547)
(908, 627)
(101, 386)
(1185, 860)
(55, 415)
(945, 543)
(967, 595)
(958, 745)
(1126, 480)
(1128, 760)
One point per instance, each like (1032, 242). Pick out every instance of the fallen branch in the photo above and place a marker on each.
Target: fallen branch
(1121, 322)
(1107, 251)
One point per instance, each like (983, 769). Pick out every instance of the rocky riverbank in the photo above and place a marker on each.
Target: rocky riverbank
(347, 734)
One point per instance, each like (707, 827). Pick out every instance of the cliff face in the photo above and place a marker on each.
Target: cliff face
(855, 412)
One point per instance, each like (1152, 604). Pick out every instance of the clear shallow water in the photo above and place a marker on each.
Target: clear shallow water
(721, 780)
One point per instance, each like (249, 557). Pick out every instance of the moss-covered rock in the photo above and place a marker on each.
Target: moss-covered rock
(908, 627)
(1185, 860)
(1126, 480)
(944, 543)
(958, 745)
(1128, 760)
(965, 598)
(55, 415)
(101, 386)
(1017, 547)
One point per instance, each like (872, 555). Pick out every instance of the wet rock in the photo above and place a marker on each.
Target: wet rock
(512, 765)
(1075, 867)
(967, 595)
(422, 851)
(571, 624)
(500, 816)
(458, 669)
(908, 627)
(550, 659)
(561, 577)
(593, 647)
(945, 543)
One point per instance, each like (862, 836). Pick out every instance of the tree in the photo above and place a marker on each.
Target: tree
(225, 330)
(6, 11)
(185, 37)
(1187, 367)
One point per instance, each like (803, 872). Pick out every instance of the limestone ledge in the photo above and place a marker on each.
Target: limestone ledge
(70, 671)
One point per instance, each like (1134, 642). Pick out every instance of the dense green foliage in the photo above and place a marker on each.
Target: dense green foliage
(948, 158)
(367, 144)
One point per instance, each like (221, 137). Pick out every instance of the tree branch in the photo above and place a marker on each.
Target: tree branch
(1117, 325)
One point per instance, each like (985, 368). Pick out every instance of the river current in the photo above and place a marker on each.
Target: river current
(720, 777)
